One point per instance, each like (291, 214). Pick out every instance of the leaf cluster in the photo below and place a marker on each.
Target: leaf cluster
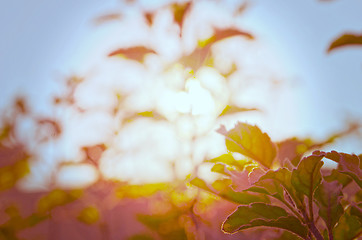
(289, 193)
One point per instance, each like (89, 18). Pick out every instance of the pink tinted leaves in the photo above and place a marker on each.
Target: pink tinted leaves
(251, 142)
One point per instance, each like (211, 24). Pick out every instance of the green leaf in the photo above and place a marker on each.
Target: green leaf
(278, 184)
(261, 214)
(337, 176)
(306, 178)
(241, 197)
(348, 164)
(348, 228)
(286, 235)
(328, 196)
(347, 39)
(281, 179)
(251, 142)
(356, 210)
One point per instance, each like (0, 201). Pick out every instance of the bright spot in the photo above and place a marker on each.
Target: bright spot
(202, 103)
(76, 176)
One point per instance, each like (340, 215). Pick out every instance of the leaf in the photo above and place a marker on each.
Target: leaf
(251, 142)
(89, 215)
(151, 114)
(348, 227)
(293, 149)
(11, 174)
(198, 182)
(196, 59)
(133, 53)
(229, 160)
(220, 168)
(306, 178)
(347, 39)
(278, 185)
(222, 34)
(337, 176)
(149, 16)
(328, 196)
(356, 210)
(274, 182)
(137, 191)
(234, 109)
(261, 214)
(222, 189)
(146, 114)
(107, 18)
(94, 153)
(348, 164)
(21, 106)
(57, 198)
(180, 11)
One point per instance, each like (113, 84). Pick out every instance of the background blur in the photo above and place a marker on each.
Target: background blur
(285, 72)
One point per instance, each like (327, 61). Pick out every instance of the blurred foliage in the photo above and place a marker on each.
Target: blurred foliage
(273, 184)
(89, 215)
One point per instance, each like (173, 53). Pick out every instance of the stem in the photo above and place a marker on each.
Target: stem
(310, 205)
(315, 231)
(330, 234)
(312, 228)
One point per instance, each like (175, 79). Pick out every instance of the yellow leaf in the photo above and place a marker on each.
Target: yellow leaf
(251, 142)
(89, 215)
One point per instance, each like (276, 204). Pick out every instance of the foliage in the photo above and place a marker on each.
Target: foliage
(347, 39)
(295, 193)
(275, 185)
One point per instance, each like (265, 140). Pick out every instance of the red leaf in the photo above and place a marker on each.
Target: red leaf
(94, 153)
(198, 57)
(179, 13)
(347, 39)
(134, 53)
(221, 34)
(107, 18)
(149, 17)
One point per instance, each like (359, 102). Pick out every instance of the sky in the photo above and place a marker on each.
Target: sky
(44, 41)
